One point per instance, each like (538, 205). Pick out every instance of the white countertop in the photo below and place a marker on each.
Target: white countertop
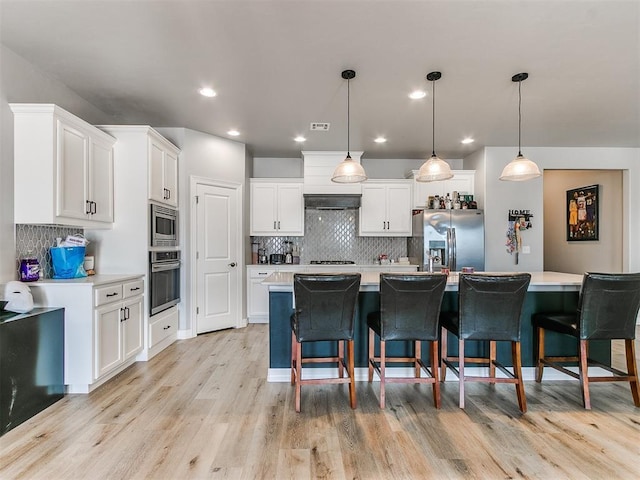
(92, 280)
(370, 281)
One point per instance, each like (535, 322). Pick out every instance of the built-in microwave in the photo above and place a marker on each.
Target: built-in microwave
(164, 226)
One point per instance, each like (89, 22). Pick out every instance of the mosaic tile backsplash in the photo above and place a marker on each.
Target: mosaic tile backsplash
(333, 235)
(36, 240)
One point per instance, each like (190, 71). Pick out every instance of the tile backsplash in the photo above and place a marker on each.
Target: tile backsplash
(333, 235)
(37, 239)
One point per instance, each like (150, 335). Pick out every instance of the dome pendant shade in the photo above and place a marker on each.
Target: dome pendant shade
(520, 169)
(349, 171)
(433, 170)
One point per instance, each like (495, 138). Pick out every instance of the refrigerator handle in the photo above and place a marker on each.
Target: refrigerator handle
(454, 251)
(447, 263)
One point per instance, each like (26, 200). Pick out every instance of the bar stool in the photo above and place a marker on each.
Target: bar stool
(409, 310)
(489, 308)
(607, 310)
(324, 311)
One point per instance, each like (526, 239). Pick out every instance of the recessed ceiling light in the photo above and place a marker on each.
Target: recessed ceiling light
(467, 140)
(207, 92)
(380, 140)
(233, 133)
(417, 94)
(300, 138)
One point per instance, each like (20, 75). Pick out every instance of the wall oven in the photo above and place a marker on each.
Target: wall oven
(164, 226)
(164, 280)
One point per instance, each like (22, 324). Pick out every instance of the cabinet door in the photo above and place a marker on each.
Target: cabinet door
(156, 172)
(373, 212)
(264, 206)
(290, 219)
(399, 210)
(100, 180)
(132, 328)
(108, 338)
(258, 299)
(462, 182)
(72, 165)
(171, 179)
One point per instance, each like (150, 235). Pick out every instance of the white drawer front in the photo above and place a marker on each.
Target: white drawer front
(163, 327)
(131, 289)
(262, 272)
(108, 294)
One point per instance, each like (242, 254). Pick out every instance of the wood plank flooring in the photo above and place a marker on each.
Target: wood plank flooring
(203, 409)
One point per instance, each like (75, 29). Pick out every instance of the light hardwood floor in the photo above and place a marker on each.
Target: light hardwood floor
(203, 409)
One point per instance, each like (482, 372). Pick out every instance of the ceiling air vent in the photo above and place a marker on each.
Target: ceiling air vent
(319, 127)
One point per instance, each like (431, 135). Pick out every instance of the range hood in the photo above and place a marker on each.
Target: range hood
(332, 201)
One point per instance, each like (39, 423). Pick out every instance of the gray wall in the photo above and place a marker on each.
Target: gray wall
(21, 82)
(603, 255)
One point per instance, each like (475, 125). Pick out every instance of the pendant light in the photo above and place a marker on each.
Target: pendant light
(520, 168)
(348, 171)
(435, 168)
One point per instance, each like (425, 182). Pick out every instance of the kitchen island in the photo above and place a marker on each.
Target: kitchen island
(548, 291)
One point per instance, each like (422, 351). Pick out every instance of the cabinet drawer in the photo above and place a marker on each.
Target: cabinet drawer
(131, 289)
(163, 327)
(261, 272)
(108, 294)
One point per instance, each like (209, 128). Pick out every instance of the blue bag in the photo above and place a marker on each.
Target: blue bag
(68, 262)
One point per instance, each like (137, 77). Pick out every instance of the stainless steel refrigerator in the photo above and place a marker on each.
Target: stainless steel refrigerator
(452, 238)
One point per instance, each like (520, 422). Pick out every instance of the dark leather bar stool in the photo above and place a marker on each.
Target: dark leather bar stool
(324, 311)
(607, 310)
(489, 308)
(409, 311)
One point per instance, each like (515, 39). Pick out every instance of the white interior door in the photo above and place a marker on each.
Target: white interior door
(217, 291)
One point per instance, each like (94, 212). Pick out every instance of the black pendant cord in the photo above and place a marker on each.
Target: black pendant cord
(433, 121)
(519, 117)
(348, 116)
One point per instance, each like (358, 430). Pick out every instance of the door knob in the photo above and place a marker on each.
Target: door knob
(232, 264)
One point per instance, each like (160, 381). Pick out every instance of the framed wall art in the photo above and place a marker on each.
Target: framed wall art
(582, 214)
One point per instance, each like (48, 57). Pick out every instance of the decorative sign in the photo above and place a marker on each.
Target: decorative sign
(582, 214)
(518, 220)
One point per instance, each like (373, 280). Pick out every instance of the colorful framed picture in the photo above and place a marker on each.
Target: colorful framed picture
(582, 214)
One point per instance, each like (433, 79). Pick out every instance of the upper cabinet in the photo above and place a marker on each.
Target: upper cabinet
(63, 168)
(277, 207)
(163, 172)
(462, 182)
(386, 209)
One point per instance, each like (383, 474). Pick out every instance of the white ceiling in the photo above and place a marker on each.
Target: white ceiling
(276, 66)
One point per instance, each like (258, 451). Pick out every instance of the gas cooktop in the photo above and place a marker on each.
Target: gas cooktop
(332, 262)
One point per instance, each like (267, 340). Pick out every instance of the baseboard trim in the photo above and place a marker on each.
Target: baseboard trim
(361, 373)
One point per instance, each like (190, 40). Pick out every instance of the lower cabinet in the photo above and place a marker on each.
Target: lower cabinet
(163, 328)
(258, 294)
(104, 324)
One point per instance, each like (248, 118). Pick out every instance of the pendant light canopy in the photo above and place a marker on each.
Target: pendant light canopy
(520, 168)
(348, 171)
(435, 168)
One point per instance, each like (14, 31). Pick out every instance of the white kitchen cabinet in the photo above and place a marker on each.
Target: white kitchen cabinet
(258, 294)
(385, 209)
(462, 182)
(163, 171)
(163, 328)
(277, 208)
(103, 325)
(63, 168)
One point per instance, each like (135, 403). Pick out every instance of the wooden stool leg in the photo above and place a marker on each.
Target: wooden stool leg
(382, 371)
(632, 370)
(371, 355)
(584, 374)
(461, 370)
(293, 358)
(340, 359)
(298, 374)
(492, 359)
(517, 372)
(417, 355)
(352, 376)
(540, 354)
(434, 372)
(443, 354)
